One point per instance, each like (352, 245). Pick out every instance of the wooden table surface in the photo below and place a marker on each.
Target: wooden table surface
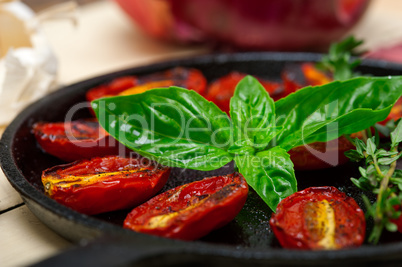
(106, 41)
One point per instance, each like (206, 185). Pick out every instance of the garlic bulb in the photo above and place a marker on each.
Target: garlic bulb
(28, 67)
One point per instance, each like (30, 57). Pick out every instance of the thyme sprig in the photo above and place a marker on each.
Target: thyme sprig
(380, 177)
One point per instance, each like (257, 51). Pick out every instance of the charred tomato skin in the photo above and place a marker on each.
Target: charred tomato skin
(115, 87)
(104, 184)
(189, 78)
(318, 218)
(76, 140)
(221, 90)
(191, 211)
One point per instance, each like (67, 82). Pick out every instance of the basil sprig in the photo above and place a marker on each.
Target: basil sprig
(339, 60)
(179, 128)
(268, 170)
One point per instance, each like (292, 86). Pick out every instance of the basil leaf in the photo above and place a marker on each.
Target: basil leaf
(323, 113)
(175, 126)
(253, 114)
(270, 173)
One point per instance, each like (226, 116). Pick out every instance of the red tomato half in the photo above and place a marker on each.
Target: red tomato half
(192, 210)
(319, 218)
(221, 90)
(104, 184)
(327, 154)
(290, 85)
(81, 139)
(192, 79)
(115, 87)
(396, 112)
(398, 221)
(313, 76)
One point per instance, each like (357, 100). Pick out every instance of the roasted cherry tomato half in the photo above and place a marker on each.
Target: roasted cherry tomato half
(319, 218)
(115, 87)
(396, 112)
(191, 79)
(314, 76)
(81, 139)
(290, 84)
(321, 155)
(398, 221)
(221, 90)
(192, 210)
(104, 184)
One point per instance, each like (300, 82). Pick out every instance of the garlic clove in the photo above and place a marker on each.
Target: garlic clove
(13, 31)
(28, 66)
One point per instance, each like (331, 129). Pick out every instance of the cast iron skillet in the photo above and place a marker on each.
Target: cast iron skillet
(246, 240)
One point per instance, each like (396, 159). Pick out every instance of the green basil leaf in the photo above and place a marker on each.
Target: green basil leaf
(241, 150)
(253, 114)
(174, 126)
(323, 113)
(270, 173)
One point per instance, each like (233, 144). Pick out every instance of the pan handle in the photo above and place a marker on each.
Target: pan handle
(116, 250)
(150, 251)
